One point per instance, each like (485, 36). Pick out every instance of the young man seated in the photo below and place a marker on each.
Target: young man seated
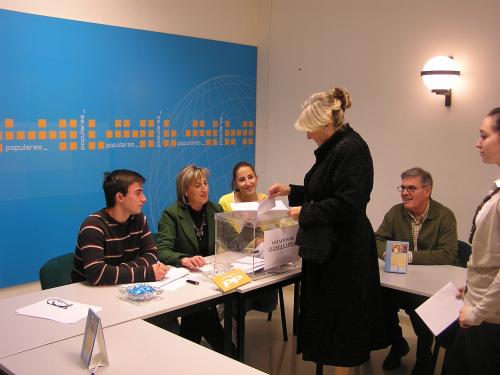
(115, 245)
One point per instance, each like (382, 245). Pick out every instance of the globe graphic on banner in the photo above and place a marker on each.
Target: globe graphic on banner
(223, 107)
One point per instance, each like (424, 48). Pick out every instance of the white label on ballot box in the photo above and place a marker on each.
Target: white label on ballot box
(279, 246)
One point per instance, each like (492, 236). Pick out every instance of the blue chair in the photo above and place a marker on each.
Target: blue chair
(56, 271)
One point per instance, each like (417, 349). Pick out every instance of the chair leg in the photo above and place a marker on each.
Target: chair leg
(269, 316)
(434, 357)
(283, 315)
(319, 369)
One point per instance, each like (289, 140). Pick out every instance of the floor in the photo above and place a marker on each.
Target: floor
(266, 350)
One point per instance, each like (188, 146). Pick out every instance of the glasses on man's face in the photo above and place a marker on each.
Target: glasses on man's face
(409, 189)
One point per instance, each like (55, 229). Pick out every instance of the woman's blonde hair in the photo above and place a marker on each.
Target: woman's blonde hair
(322, 109)
(186, 176)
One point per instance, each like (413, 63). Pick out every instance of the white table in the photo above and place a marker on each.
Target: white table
(422, 280)
(134, 347)
(20, 333)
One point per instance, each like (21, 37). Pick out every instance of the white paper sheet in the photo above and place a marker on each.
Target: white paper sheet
(261, 207)
(73, 313)
(440, 310)
(172, 274)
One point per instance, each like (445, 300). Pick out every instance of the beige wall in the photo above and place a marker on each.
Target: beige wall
(376, 50)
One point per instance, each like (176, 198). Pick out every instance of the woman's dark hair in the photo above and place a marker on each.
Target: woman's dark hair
(495, 115)
(235, 170)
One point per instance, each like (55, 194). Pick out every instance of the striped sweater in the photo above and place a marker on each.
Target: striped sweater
(109, 252)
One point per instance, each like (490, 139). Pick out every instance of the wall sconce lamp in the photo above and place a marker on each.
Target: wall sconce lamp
(440, 74)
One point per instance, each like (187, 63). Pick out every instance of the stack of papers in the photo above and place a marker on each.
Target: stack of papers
(261, 207)
(173, 274)
(249, 264)
(58, 309)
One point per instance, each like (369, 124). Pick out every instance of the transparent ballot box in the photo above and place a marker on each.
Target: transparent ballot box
(259, 245)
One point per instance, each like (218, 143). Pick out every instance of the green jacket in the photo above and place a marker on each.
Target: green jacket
(437, 239)
(176, 236)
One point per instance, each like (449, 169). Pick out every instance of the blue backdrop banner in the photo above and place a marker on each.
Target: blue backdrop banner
(78, 99)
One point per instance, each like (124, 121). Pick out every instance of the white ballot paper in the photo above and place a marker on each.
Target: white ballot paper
(442, 309)
(172, 274)
(261, 207)
(58, 309)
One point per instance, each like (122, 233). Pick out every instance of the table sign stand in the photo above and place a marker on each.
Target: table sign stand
(396, 256)
(93, 356)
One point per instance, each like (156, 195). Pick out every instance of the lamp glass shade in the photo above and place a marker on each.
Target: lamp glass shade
(440, 81)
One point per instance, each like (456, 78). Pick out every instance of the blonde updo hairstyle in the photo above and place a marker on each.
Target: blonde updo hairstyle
(322, 109)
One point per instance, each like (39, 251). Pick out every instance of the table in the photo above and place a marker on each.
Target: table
(38, 332)
(422, 280)
(286, 276)
(134, 347)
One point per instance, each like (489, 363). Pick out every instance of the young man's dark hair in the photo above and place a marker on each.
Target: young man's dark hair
(118, 181)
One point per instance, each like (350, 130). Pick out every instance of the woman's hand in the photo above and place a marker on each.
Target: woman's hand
(160, 271)
(294, 212)
(461, 293)
(464, 316)
(278, 190)
(194, 262)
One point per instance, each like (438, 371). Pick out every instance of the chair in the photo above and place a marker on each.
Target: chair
(56, 271)
(446, 337)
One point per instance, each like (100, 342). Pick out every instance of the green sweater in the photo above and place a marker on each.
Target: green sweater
(176, 236)
(437, 239)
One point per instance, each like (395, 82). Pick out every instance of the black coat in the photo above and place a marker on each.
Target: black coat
(340, 299)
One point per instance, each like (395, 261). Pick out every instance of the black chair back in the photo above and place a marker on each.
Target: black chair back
(463, 253)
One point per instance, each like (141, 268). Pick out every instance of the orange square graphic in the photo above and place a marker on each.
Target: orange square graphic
(142, 144)
(118, 133)
(31, 135)
(250, 123)
(91, 123)
(1, 148)
(233, 141)
(100, 145)
(173, 133)
(244, 141)
(20, 135)
(142, 123)
(72, 123)
(209, 133)
(62, 122)
(202, 133)
(214, 133)
(233, 133)
(92, 134)
(91, 146)
(250, 133)
(208, 142)
(142, 133)
(226, 133)
(42, 134)
(63, 146)
(214, 141)
(109, 134)
(250, 141)
(151, 123)
(151, 143)
(9, 136)
(126, 134)
(135, 133)
(202, 123)
(166, 123)
(151, 133)
(195, 123)
(245, 123)
(62, 134)
(239, 132)
(165, 133)
(42, 123)
(8, 123)
(1, 136)
(52, 134)
(226, 141)
(215, 123)
(118, 123)
(173, 143)
(72, 134)
(187, 133)
(126, 123)
(72, 146)
(227, 123)
(195, 133)
(165, 143)
(245, 133)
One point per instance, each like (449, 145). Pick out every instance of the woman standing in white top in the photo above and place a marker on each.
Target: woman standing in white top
(476, 349)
